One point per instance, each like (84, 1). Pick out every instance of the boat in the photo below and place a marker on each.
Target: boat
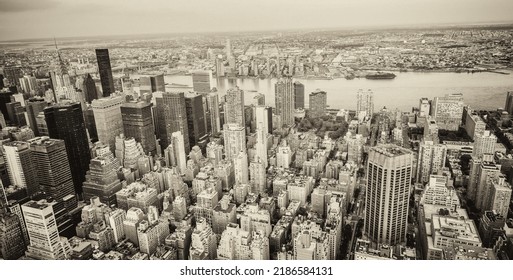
(380, 76)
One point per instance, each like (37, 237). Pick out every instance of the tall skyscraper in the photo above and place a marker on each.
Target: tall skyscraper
(103, 59)
(171, 117)
(509, 102)
(264, 115)
(178, 144)
(234, 140)
(202, 81)
(448, 111)
(234, 107)
(364, 104)
(424, 107)
(484, 144)
(195, 119)
(20, 165)
(107, 116)
(53, 168)
(138, 124)
(318, 103)
(34, 107)
(12, 244)
(89, 88)
(240, 168)
(431, 160)
(66, 122)
(45, 243)
(262, 128)
(150, 84)
(213, 110)
(299, 95)
(284, 95)
(389, 170)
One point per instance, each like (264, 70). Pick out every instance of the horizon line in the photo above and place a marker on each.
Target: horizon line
(340, 28)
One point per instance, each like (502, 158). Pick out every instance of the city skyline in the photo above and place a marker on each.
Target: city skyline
(108, 18)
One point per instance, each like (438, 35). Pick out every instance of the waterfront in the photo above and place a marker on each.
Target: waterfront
(481, 90)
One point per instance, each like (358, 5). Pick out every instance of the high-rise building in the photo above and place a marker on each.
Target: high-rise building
(107, 116)
(202, 81)
(150, 84)
(195, 119)
(34, 107)
(102, 179)
(66, 122)
(171, 117)
(234, 140)
(497, 195)
(214, 120)
(203, 242)
(480, 170)
(12, 244)
(104, 67)
(484, 144)
(299, 95)
(364, 104)
(424, 107)
(178, 144)
(89, 88)
(431, 160)
(509, 102)
(20, 165)
(318, 103)
(240, 167)
(138, 124)
(389, 171)
(284, 95)
(264, 115)
(257, 177)
(234, 107)
(448, 111)
(474, 124)
(45, 243)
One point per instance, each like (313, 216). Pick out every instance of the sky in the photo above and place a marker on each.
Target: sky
(24, 19)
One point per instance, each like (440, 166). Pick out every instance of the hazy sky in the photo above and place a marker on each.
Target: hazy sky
(65, 18)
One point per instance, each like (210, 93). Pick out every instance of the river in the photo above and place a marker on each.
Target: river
(480, 90)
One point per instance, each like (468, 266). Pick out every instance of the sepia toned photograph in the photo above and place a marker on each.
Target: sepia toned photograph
(269, 130)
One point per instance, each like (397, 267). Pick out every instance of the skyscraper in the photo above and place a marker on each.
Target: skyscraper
(213, 110)
(12, 245)
(448, 111)
(102, 179)
(138, 124)
(150, 84)
(34, 107)
(299, 95)
(234, 107)
(431, 160)
(89, 88)
(318, 103)
(45, 243)
(103, 59)
(262, 128)
(107, 116)
(240, 168)
(424, 107)
(509, 102)
(234, 140)
(53, 168)
(195, 119)
(284, 95)
(364, 104)
(178, 144)
(202, 81)
(171, 117)
(389, 170)
(484, 143)
(22, 172)
(66, 122)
